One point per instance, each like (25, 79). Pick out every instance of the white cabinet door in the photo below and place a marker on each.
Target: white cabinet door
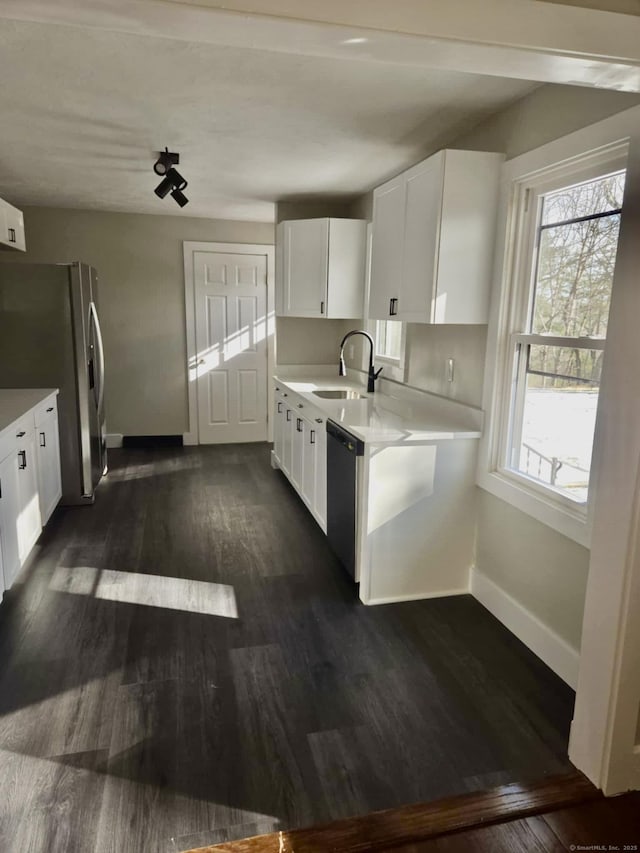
(287, 440)
(49, 478)
(308, 486)
(306, 248)
(12, 227)
(278, 428)
(9, 512)
(297, 452)
(387, 248)
(321, 474)
(29, 518)
(423, 200)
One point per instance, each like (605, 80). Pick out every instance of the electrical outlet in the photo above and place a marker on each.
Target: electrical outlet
(352, 351)
(450, 369)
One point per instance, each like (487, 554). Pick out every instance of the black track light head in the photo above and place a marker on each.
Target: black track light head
(163, 188)
(179, 197)
(177, 181)
(166, 159)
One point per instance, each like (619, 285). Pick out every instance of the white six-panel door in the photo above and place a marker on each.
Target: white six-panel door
(230, 293)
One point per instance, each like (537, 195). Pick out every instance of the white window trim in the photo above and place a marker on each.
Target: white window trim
(393, 367)
(604, 144)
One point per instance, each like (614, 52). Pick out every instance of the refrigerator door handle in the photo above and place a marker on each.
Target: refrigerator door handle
(100, 353)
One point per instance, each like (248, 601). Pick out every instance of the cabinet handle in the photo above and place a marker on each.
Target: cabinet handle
(23, 454)
(285, 395)
(43, 440)
(299, 424)
(279, 408)
(300, 406)
(50, 409)
(393, 307)
(12, 235)
(288, 414)
(312, 437)
(20, 434)
(277, 389)
(322, 307)
(318, 420)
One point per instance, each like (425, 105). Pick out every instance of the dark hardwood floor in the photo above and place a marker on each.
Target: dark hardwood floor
(186, 663)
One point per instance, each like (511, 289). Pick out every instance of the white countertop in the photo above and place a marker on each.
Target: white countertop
(16, 402)
(394, 414)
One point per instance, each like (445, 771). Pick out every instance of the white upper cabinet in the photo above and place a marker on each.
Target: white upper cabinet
(320, 268)
(433, 240)
(386, 247)
(11, 227)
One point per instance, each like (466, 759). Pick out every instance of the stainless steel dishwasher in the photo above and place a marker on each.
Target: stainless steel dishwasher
(343, 450)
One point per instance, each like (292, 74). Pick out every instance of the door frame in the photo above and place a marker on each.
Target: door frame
(192, 436)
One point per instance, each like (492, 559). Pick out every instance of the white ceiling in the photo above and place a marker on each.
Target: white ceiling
(83, 110)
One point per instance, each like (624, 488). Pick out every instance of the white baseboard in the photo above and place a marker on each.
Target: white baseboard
(416, 596)
(113, 439)
(189, 439)
(558, 655)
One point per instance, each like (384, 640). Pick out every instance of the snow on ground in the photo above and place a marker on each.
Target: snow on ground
(560, 423)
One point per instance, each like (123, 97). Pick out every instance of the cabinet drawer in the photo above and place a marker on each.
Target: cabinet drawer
(46, 409)
(13, 437)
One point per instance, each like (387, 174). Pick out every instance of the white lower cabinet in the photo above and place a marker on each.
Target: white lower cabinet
(308, 454)
(29, 518)
(300, 451)
(278, 427)
(321, 475)
(9, 514)
(287, 440)
(30, 485)
(49, 474)
(297, 450)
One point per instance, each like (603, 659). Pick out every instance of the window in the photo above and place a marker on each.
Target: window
(388, 338)
(567, 251)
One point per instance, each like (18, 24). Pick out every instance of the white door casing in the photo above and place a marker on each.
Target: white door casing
(230, 328)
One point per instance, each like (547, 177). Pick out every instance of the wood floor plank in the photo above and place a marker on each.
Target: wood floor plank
(277, 785)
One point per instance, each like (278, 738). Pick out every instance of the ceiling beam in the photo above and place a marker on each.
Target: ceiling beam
(522, 39)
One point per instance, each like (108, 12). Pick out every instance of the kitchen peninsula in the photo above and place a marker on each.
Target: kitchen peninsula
(414, 477)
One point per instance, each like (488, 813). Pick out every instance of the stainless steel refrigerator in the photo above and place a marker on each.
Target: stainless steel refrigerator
(50, 338)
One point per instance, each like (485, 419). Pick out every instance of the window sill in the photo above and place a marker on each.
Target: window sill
(573, 525)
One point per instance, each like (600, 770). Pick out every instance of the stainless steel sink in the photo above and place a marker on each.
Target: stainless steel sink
(339, 394)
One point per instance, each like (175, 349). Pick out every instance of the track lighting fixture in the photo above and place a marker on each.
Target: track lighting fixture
(173, 182)
(166, 159)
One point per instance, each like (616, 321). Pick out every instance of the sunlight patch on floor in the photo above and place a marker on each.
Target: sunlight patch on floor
(212, 599)
(153, 469)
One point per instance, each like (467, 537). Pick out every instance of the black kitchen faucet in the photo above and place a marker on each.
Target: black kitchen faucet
(373, 375)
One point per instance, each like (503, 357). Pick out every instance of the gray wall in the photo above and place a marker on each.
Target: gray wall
(546, 114)
(543, 570)
(140, 266)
